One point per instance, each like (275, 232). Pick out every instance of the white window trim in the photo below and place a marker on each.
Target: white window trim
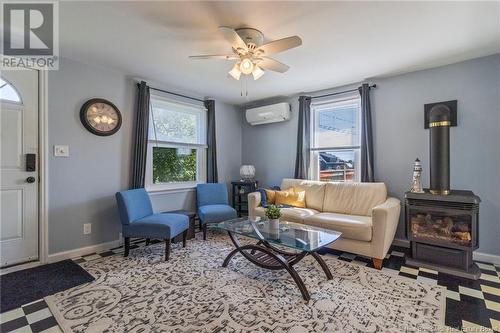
(314, 172)
(201, 155)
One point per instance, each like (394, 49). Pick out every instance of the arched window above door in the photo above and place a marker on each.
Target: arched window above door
(8, 92)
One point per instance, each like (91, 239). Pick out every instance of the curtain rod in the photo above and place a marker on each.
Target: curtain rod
(176, 94)
(342, 92)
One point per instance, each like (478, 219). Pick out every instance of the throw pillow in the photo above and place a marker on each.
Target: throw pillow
(270, 196)
(263, 197)
(291, 197)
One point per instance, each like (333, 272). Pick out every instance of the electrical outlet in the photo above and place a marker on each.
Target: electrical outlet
(87, 228)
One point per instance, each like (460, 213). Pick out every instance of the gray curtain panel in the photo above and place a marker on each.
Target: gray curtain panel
(211, 142)
(367, 171)
(140, 142)
(302, 159)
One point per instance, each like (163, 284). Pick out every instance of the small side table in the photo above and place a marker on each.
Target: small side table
(191, 215)
(241, 189)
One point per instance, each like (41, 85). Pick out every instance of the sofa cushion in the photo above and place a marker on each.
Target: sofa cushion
(315, 191)
(297, 214)
(290, 214)
(351, 226)
(260, 211)
(353, 198)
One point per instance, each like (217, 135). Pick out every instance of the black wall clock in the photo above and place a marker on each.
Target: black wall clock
(100, 117)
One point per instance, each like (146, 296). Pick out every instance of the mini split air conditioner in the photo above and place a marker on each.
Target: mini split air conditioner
(268, 114)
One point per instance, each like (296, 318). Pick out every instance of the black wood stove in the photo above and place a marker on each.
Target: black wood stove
(442, 224)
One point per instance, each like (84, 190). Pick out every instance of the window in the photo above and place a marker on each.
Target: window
(8, 92)
(177, 144)
(335, 140)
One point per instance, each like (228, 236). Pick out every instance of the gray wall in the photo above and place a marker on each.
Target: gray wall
(399, 136)
(228, 136)
(271, 148)
(82, 187)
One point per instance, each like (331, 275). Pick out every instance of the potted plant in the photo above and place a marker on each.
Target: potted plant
(273, 213)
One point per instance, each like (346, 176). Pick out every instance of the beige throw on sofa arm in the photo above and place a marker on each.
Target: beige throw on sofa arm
(367, 218)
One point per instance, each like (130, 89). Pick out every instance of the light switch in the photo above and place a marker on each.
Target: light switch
(61, 151)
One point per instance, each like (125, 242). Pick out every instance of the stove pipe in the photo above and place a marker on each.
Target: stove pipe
(439, 117)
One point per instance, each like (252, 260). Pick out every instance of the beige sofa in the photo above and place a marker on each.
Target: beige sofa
(363, 213)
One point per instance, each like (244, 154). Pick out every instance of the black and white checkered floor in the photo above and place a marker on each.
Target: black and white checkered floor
(471, 306)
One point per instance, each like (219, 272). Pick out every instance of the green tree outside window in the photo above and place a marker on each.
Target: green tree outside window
(172, 165)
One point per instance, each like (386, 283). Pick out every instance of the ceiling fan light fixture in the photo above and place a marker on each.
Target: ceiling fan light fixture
(257, 72)
(246, 66)
(250, 52)
(235, 71)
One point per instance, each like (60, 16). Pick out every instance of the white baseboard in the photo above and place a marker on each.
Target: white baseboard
(83, 251)
(486, 257)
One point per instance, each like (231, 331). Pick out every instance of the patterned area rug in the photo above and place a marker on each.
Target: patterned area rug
(192, 292)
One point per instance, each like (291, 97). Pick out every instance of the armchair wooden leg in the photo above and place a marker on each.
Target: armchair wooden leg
(184, 237)
(205, 231)
(377, 263)
(148, 241)
(201, 225)
(167, 249)
(127, 246)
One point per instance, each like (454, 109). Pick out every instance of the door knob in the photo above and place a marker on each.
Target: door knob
(30, 179)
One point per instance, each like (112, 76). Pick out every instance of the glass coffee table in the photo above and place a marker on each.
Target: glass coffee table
(298, 241)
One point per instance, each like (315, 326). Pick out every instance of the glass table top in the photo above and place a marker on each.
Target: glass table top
(293, 235)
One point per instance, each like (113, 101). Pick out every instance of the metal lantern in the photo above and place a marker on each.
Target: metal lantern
(247, 172)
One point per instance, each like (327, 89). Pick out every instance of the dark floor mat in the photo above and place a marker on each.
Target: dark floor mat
(28, 285)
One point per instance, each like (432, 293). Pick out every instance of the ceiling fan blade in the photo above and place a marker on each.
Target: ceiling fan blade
(233, 38)
(214, 56)
(280, 45)
(273, 65)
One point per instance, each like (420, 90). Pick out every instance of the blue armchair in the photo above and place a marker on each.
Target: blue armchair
(138, 220)
(213, 205)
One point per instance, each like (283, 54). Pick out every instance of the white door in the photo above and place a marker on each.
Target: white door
(19, 177)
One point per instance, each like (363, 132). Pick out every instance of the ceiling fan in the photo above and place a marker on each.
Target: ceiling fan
(251, 55)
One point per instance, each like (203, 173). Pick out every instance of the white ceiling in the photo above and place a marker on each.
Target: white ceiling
(343, 42)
